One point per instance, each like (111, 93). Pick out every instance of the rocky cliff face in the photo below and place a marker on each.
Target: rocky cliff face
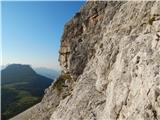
(110, 54)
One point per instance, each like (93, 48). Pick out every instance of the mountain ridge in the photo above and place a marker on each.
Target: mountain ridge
(22, 87)
(48, 72)
(110, 58)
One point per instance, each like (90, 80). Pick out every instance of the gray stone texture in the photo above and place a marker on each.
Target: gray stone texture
(112, 52)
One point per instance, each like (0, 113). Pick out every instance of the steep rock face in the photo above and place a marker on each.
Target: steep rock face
(112, 52)
(80, 36)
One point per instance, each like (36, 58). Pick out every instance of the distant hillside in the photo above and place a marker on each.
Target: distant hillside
(50, 73)
(22, 87)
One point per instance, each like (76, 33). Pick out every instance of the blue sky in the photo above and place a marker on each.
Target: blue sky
(31, 31)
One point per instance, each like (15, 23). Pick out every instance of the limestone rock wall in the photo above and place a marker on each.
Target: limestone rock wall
(111, 50)
(80, 36)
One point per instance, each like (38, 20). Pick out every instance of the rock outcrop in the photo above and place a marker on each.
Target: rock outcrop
(110, 54)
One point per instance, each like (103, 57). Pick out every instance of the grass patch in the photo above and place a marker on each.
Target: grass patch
(60, 82)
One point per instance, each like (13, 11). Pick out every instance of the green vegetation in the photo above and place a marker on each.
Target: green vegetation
(60, 82)
(21, 89)
(15, 101)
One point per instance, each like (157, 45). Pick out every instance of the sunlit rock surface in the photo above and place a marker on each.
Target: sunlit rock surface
(110, 53)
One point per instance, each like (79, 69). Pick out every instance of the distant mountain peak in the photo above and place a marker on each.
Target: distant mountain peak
(19, 68)
(21, 83)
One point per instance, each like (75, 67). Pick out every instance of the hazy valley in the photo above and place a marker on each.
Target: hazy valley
(22, 87)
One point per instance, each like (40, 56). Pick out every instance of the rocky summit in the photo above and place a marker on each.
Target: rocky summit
(110, 55)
